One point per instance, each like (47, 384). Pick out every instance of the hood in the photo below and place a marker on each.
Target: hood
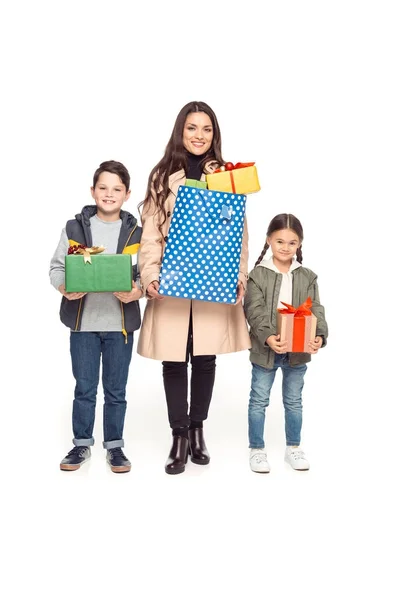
(268, 263)
(128, 220)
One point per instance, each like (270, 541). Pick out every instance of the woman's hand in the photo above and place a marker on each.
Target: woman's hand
(152, 291)
(126, 297)
(70, 295)
(239, 292)
(315, 344)
(276, 345)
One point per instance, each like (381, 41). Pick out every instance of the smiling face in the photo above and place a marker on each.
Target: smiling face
(284, 244)
(109, 194)
(198, 133)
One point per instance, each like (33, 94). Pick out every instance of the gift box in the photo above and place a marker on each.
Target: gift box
(241, 178)
(204, 244)
(297, 326)
(196, 183)
(102, 273)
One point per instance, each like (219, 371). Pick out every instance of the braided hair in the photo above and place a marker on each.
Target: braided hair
(266, 246)
(284, 221)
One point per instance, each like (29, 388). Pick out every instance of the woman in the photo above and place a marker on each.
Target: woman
(175, 329)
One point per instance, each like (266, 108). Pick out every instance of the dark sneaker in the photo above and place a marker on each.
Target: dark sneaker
(75, 458)
(118, 461)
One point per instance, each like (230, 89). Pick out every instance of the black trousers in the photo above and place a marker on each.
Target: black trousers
(175, 375)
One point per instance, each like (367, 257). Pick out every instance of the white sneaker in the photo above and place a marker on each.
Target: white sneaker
(295, 456)
(258, 460)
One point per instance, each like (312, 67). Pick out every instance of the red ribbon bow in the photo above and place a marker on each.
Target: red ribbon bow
(238, 165)
(233, 168)
(301, 311)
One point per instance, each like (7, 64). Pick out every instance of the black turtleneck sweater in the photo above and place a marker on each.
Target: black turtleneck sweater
(194, 169)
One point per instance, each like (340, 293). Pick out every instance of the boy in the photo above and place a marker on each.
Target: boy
(102, 324)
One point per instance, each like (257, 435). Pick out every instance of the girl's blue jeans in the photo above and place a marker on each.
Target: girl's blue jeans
(292, 386)
(87, 350)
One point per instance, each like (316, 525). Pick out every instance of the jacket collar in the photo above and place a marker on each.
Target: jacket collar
(179, 175)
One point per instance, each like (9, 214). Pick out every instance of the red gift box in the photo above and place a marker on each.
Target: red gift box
(297, 326)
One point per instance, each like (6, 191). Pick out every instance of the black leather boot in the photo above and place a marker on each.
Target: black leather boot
(178, 455)
(197, 447)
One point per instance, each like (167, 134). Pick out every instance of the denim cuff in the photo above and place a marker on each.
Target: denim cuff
(89, 442)
(113, 444)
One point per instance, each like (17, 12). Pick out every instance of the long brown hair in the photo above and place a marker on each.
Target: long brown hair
(284, 221)
(174, 159)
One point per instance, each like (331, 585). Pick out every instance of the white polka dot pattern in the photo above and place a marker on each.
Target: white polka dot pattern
(202, 255)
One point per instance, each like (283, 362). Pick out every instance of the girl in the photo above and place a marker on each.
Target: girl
(281, 278)
(175, 329)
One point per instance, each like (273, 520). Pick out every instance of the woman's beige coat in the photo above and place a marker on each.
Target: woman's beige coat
(217, 328)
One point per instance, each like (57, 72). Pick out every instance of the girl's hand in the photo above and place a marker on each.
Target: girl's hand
(126, 297)
(239, 292)
(152, 290)
(315, 344)
(70, 295)
(275, 345)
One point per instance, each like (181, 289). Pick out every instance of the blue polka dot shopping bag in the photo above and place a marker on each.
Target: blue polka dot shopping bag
(202, 255)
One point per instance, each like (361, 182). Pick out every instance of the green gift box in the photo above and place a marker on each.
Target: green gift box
(196, 183)
(100, 273)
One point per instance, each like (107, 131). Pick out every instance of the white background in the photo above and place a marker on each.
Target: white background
(310, 91)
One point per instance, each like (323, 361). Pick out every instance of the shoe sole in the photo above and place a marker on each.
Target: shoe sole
(67, 467)
(198, 461)
(70, 467)
(305, 469)
(261, 472)
(120, 469)
(175, 471)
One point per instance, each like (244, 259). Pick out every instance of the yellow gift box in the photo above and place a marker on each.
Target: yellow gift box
(241, 179)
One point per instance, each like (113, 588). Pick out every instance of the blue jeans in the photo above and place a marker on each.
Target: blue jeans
(292, 386)
(86, 350)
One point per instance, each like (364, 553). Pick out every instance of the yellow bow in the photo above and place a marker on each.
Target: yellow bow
(87, 252)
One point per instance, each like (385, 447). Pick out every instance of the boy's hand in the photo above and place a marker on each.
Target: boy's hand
(275, 345)
(70, 295)
(239, 292)
(315, 345)
(127, 297)
(152, 290)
